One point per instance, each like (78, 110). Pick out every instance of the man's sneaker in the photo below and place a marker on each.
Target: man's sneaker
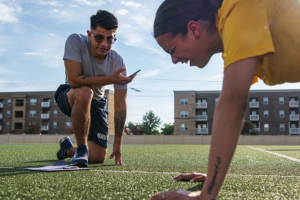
(81, 156)
(65, 144)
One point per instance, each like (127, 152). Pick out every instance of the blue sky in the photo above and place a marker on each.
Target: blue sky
(33, 34)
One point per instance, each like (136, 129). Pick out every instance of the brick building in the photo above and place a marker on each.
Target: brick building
(19, 110)
(272, 112)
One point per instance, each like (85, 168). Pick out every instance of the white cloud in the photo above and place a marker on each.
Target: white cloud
(48, 3)
(6, 71)
(54, 11)
(90, 3)
(214, 77)
(122, 12)
(52, 35)
(131, 4)
(73, 5)
(32, 54)
(7, 14)
(150, 73)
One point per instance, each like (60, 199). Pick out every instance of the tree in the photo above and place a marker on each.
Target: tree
(151, 123)
(246, 127)
(33, 129)
(133, 129)
(167, 129)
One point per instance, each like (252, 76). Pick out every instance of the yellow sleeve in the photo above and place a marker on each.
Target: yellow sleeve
(246, 32)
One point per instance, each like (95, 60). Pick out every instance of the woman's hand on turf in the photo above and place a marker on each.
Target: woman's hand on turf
(192, 177)
(178, 194)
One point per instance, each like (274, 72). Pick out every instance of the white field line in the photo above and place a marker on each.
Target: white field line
(277, 154)
(171, 173)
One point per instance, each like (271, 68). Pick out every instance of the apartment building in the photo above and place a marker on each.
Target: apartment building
(20, 110)
(272, 112)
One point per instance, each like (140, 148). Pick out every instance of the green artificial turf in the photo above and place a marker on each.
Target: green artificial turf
(103, 182)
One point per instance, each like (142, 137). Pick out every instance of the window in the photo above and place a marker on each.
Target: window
(253, 100)
(204, 113)
(204, 126)
(293, 125)
(69, 124)
(204, 101)
(7, 124)
(293, 112)
(281, 113)
(32, 113)
(18, 125)
(8, 102)
(281, 100)
(282, 127)
(54, 124)
(292, 99)
(19, 114)
(216, 101)
(33, 101)
(184, 101)
(8, 113)
(266, 100)
(266, 127)
(253, 112)
(55, 102)
(184, 114)
(184, 127)
(19, 102)
(32, 123)
(266, 113)
(55, 113)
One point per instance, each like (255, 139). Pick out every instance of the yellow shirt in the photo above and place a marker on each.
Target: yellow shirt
(267, 29)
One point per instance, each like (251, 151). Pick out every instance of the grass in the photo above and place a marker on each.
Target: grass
(105, 184)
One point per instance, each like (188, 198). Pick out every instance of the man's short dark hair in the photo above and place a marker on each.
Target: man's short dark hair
(104, 19)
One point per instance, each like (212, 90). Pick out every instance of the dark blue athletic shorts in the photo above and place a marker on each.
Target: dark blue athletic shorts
(99, 111)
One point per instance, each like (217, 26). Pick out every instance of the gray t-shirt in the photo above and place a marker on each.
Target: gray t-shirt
(77, 49)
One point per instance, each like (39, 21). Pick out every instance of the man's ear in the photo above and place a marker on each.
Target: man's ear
(194, 28)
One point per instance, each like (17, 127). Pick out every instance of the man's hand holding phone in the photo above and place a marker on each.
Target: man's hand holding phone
(134, 73)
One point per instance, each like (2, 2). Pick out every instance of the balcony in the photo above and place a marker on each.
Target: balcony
(201, 117)
(256, 129)
(45, 116)
(294, 104)
(200, 131)
(1, 105)
(1, 116)
(254, 104)
(295, 131)
(294, 117)
(201, 105)
(44, 127)
(254, 117)
(45, 104)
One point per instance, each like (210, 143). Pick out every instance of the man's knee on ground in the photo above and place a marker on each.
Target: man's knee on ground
(96, 160)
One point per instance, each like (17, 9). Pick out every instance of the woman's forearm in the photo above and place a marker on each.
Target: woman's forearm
(227, 124)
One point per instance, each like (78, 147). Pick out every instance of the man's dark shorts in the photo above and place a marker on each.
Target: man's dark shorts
(99, 111)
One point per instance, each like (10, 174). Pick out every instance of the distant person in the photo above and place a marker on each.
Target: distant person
(91, 64)
(258, 39)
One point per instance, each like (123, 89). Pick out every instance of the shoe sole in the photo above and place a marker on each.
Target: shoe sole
(61, 141)
(80, 164)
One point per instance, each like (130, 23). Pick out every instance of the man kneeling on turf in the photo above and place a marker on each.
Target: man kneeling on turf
(91, 64)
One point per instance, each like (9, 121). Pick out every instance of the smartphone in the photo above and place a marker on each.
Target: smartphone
(134, 73)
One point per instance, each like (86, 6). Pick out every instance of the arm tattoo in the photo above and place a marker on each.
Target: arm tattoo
(85, 76)
(119, 123)
(213, 183)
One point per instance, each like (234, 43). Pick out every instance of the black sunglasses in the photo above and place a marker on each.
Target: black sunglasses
(99, 39)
